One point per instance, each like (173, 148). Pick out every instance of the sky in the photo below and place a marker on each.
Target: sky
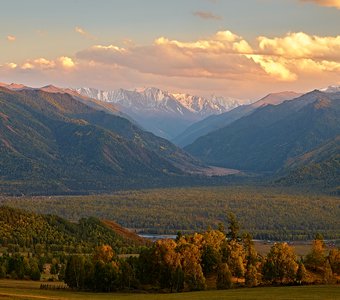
(237, 48)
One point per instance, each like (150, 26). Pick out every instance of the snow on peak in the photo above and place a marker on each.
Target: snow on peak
(152, 98)
(331, 89)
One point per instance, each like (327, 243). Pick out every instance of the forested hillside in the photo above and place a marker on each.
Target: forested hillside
(49, 233)
(53, 143)
(271, 136)
(319, 167)
(215, 122)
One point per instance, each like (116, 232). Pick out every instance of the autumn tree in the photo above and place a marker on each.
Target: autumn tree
(234, 255)
(128, 277)
(315, 260)
(280, 264)
(105, 276)
(104, 253)
(301, 273)
(75, 272)
(190, 251)
(211, 252)
(224, 277)
(334, 260)
(252, 276)
(328, 276)
(233, 227)
(169, 261)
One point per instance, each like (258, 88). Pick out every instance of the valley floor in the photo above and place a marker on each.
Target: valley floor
(14, 289)
(267, 213)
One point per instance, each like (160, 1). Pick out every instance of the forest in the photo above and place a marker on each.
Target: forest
(266, 213)
(218, 258)
(24, 232)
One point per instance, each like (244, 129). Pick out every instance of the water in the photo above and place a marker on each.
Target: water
(155, 237)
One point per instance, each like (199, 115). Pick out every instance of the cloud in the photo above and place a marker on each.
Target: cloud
(67, 62)
(301, 45)
(27, 66)
(327, 3)
(226, 55)
(274, 67)
(222, 41)
(224, 61)
(43, 64)
(84, 33)
(206, 15)
(11, 65)
(217, 57)
(11, 38)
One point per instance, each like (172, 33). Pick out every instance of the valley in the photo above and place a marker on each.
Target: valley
(170, 149)
(267, 213)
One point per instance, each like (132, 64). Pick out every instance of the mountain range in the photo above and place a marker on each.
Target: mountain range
(160, 112)
(53, 141)
(279, 138)
(216, 122)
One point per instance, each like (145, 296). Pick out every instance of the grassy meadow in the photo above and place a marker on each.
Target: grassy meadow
(13, 289)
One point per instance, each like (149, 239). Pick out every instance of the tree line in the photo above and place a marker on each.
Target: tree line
(22, 231)
(191, 261)
(266, 213)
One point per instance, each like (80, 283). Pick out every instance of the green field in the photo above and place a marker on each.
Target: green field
(12, 289)
(267, 213)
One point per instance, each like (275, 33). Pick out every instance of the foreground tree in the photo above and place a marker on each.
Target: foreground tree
(280, 265)
(224, 277)
(315, 260)
(75, 272)
(213, 241)
(252, 276)
(168, 260)
(301, 273)
(334, 260)
(233, 227)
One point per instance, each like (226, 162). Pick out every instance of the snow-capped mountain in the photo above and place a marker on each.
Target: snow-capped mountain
(161, 112)
(331, 89)
(151, 98)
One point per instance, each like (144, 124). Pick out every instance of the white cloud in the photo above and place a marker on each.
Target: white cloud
(11, 65)
(223, 61)
(67, 62)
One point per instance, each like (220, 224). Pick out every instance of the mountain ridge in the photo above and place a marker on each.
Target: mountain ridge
(215, 122)
(162, 112)
(264, 140)
(56, 142)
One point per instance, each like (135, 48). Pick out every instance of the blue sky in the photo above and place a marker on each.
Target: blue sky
(54, 30)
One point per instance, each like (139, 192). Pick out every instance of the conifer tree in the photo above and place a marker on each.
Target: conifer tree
(224, 277)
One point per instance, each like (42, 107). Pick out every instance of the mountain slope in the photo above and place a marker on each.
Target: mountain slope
(163, 113)
(266, 139)
(29, 229)
(215, 122)
(321, 166)
(52, 142)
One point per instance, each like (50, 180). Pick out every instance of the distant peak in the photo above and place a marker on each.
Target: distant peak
(52, 89)
(277, 98)
(331, 89)
(13, 86)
